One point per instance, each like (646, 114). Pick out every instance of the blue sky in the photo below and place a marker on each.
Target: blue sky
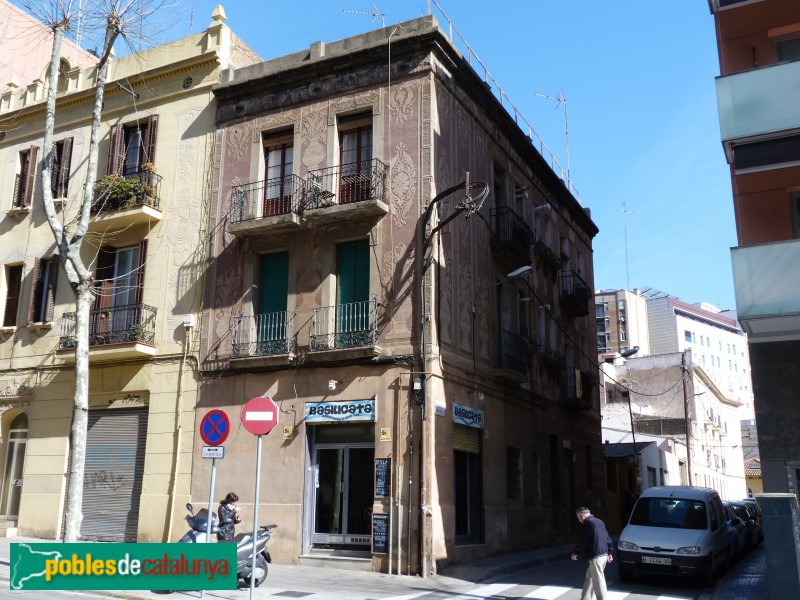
(639, 78)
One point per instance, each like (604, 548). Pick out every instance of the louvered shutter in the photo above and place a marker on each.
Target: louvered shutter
(104, 274)
(150, 135)
(36, 292)
(13, 285)
(140, 272)
(116, 145)
(55, 171)
(63, 168)
(50, 289)
(30, 176)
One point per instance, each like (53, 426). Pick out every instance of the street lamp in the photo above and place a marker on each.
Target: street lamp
(515, 274)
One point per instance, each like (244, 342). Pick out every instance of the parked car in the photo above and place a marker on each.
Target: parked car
(677, 531)
(747, 514)
(754, 508)
(737, 533)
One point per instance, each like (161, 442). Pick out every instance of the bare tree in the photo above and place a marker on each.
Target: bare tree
(114, 19)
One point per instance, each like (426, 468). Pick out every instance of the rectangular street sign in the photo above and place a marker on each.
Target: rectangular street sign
(213, 452)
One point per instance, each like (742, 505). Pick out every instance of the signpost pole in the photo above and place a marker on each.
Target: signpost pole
(255, 517)
(210, 508)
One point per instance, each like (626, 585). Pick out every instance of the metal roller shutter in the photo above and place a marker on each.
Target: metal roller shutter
(467, 439)
(112, 484)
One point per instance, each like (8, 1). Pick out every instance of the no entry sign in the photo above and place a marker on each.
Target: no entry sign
(215, 427)
(260, 415)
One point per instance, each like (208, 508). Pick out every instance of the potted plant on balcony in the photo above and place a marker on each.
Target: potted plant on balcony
(114, 191)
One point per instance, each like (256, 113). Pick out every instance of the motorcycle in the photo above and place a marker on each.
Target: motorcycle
(244, 545)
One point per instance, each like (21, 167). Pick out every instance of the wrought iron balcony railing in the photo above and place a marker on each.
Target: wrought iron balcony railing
(129, 324)
(512, 352)
(115, 192)
(270, 198)
(575, 294)
(266, 334)
(346, 184)
(542, 249)
(349, 325)
(512, 232)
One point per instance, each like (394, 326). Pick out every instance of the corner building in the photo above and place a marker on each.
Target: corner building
(429, 362)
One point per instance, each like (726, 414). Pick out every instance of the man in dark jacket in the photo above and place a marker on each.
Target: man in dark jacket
(594, 545)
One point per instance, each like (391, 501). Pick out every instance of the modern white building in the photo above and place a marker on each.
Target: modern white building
(715, 338)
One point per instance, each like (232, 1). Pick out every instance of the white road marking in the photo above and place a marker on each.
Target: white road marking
(409, 596)
(548, 592)
(485, 591)
(675, 598)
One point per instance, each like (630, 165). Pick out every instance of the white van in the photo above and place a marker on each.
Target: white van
(675, 530)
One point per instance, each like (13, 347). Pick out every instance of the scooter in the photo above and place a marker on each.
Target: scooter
(244, 555)
(198, 524)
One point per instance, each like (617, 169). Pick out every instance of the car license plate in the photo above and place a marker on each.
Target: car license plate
(656, 560)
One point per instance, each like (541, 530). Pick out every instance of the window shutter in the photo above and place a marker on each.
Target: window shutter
(140, 272)
(14, 283)
(63, 169)
(104, 274)
(55, 171)
(36, 292)
(116, 145)
(274, 284)
(52, 284)
(30, 176)
(150, 140)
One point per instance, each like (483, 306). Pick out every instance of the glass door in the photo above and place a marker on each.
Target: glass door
(14, 466)
(343, 495)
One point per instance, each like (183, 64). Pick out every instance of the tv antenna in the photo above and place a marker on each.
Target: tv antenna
(561, 99)
(375, 14)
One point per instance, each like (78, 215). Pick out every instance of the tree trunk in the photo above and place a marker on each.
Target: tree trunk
(80, 416)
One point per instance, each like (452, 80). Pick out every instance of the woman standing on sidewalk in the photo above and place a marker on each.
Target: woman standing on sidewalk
(228, 517)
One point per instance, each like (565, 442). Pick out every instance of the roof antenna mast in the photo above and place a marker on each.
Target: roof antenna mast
(375, 14)
(561, 99)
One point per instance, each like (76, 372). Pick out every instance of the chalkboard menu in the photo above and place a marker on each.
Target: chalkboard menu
(380, 534)
(383, 477)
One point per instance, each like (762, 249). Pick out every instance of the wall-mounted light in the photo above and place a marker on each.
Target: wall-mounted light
(333, 384)
(416, 384)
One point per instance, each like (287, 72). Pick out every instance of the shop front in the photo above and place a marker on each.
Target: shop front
(339, 501)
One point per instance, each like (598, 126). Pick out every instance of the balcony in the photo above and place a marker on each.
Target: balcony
(512, 352)
(115, 333)
(576, 388)
(344, 331)
(271, 206)
(347, 192)
(123, 201)
(546, 254)
(761, 104)
(550, 356)
(512, 236)
(575, 294)
(262, 340)
(767, 297)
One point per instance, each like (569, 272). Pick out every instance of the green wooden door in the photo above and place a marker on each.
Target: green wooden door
(273, 297)
(353, 306)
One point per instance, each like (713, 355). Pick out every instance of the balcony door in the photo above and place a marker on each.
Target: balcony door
(118, 303)
(278, 158)
(352, 305)
(355, 159)
(272, 304)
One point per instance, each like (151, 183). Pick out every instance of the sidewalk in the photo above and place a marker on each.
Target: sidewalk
(746, 581)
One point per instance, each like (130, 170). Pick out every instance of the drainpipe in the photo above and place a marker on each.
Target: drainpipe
(178, 431)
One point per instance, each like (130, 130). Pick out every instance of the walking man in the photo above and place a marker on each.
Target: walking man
(594, 545)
